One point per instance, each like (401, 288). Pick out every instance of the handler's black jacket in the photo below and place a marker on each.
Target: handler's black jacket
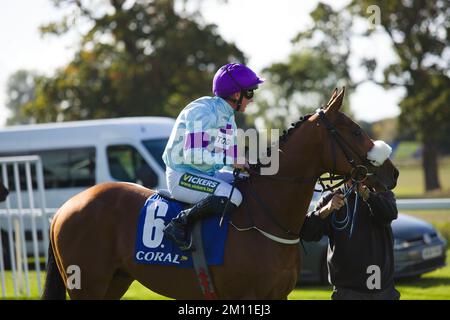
(371, 242)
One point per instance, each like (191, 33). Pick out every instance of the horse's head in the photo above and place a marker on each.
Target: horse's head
(3, 192)
(348, 150)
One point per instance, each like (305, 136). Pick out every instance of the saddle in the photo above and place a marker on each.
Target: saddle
(199, 260)
(166, 194)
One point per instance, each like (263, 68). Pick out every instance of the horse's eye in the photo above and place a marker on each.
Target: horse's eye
(357, 132)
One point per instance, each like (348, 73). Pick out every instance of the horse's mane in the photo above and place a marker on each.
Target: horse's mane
(283, 138)
(294, 125)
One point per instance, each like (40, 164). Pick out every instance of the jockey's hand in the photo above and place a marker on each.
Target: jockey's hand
(335, 203)
(242, 166)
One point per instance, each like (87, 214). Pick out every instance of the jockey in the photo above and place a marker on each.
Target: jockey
(202, 145)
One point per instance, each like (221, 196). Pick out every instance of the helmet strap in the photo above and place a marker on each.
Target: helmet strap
(238, 102)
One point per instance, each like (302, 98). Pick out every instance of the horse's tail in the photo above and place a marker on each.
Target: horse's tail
(54, 284)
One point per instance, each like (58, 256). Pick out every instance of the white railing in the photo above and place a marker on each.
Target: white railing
(20, 214)
(417, 204)
(423, 204)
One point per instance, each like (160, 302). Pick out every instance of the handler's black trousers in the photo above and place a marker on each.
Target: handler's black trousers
(340, 293)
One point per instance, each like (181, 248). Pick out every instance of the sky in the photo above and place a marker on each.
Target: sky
(262, 29)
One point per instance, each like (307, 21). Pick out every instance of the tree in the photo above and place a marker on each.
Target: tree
(319, 63)
(419, 31)
(20, 90)
(137, 58)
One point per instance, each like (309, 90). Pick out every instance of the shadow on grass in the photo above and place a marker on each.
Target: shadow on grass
(313, 286)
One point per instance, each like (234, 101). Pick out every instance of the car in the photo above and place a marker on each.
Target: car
(418, 249)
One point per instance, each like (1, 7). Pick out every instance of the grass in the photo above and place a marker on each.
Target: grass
(406, 150)
(431, 286)
(411, 181)
(32, 277)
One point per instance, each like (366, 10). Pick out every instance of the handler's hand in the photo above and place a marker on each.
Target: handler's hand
(364, 192)
(335, 203)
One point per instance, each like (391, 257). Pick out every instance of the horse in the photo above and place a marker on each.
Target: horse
(96, 229)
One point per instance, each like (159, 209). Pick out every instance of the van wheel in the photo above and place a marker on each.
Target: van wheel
(5, 250)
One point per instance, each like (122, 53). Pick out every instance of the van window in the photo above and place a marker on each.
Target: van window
(156, 148)
(63, 168)
(126, 164)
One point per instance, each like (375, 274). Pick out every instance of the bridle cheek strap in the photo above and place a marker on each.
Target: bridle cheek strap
(237, 101)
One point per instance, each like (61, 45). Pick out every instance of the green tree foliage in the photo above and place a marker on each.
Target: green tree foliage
(138, 58)
(420, 32)
(319, 63)
(20, 90)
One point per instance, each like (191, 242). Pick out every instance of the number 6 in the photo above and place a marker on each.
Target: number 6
(153, 226)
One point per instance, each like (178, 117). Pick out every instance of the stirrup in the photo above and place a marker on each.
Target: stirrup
(178, 240)
(187, 246)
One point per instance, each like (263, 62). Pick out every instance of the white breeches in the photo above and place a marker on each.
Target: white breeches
(193, 187)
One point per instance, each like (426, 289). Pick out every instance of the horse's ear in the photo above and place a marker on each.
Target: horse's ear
(336, 103)
(333, 95)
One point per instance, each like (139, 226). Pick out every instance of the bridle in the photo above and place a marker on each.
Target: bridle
(357, 175)
(359, 172)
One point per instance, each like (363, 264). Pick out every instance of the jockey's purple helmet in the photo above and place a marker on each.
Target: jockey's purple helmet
(234, 77)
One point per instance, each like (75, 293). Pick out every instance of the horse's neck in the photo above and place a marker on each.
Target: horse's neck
(289, 201)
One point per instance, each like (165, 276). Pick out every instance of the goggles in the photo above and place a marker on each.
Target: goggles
(248, 94)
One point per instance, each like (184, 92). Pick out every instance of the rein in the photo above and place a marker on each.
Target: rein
(340, 225)
(269, 213)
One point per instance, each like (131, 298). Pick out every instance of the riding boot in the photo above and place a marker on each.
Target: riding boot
(178, 229)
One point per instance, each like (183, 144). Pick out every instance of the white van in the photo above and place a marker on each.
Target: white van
(80, 154)
(77, 155)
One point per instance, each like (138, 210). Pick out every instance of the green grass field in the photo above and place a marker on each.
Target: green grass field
(432, 286)
(411, 182)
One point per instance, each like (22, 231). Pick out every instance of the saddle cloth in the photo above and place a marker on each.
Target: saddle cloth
(153, 248)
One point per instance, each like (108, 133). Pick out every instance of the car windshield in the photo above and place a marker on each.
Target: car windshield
(156, 148)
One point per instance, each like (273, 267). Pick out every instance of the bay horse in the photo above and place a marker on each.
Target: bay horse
(96, 229)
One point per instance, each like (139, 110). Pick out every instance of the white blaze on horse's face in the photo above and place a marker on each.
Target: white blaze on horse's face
(379, 153)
